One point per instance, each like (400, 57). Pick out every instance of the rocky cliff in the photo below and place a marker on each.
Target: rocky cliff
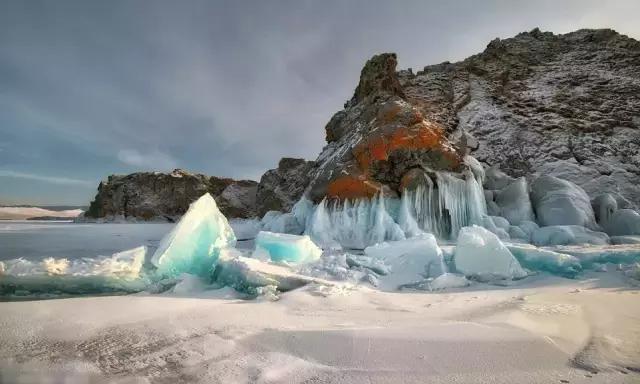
(532, 105)
(535, 104)
(166, 196)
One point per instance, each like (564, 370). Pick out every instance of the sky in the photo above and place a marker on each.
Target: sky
(90, 88)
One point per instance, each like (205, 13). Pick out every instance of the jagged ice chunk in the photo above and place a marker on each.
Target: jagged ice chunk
(194, 244)
(286, 247)
(481, 253)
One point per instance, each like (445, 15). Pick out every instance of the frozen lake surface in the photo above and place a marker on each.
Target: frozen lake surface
(36, 240)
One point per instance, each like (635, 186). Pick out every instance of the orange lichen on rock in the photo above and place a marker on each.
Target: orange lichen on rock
(352, 187)
(422, 135)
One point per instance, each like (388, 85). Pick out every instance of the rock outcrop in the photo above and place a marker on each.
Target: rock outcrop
(281, 188)
(378, 138)
(166, 196)
(544, 104)
(535, 104)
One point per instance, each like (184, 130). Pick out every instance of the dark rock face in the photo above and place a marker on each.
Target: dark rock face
(281, 188)
(544, 104)
(378, 138)
(162, 196)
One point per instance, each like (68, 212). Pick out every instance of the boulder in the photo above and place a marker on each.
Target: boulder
(560, 202)
(623, 222)
(567, 235)
(279, 189)
(603, 207)
(514, 202)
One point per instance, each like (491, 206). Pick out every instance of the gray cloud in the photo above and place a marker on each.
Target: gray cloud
(89, 88)
(47, 179)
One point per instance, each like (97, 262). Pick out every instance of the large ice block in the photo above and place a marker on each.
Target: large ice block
(194, 244)
(286, 247)
(481, 253)
(540, 259)
(408, 261)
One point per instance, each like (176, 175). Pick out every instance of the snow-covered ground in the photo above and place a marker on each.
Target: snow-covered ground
(397, 312)
(21, 213)
(36, 240)
(543, 329)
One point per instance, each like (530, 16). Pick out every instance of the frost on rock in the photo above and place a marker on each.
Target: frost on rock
(514, 202)
(481, 253)
(625, 239)
(408, 262)
(286, 247)
(539, 259)
(623, 222)
(560, 202)
(120, 272)
(567, 235)
(528, 227)
(194, 244)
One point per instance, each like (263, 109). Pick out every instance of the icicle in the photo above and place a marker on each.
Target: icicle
(406, 218)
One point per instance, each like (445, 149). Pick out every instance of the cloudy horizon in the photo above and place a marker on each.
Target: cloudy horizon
(90, 88)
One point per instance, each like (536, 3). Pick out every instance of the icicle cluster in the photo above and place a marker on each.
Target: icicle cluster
(441, 209)
(353, 224)
(456, 203)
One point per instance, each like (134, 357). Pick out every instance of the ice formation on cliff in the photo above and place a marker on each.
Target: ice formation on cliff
(443, 209)
(354, 224)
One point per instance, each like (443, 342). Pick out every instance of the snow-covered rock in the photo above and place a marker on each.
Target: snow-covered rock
(560, 202)
(481, 253)
(623, 222)
(567, 235)
(514, 202)
(528, 227)
(194, 244)
(518, 233)
(287, 247)
(157, 196)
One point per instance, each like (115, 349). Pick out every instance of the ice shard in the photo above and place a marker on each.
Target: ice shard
(194, 244)
(409, 261)
(286, 247)
(481, 253)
